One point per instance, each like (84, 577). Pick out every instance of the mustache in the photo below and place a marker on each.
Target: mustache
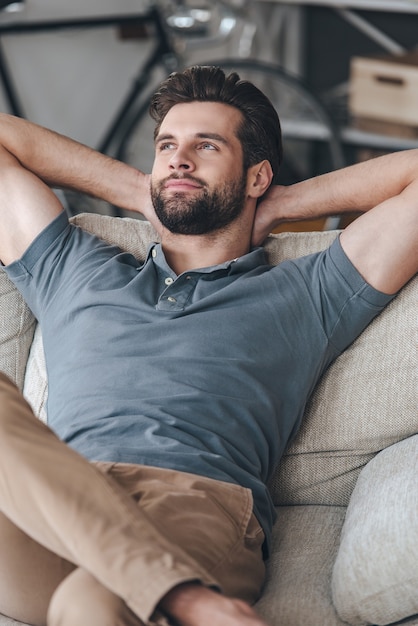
(176, 176)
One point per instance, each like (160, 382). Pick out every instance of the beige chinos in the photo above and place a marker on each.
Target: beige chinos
(104, 542)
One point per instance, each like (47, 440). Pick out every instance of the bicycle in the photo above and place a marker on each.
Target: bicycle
(176, 28)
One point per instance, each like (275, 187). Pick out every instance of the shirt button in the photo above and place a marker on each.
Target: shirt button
(154, 253)
(171, 299)
(169, 281)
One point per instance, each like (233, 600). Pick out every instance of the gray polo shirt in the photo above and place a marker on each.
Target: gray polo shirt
(206, 372)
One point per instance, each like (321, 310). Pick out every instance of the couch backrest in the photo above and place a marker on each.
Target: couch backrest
(17, 326)
(366, 401)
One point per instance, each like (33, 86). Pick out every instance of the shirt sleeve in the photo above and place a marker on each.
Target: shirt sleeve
(57, 263)
(344, 301)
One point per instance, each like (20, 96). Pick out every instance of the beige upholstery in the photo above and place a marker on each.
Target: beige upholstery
(365, 402)
(372, 578)
(17, 326)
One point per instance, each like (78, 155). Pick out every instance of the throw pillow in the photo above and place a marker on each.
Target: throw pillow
(375, 576)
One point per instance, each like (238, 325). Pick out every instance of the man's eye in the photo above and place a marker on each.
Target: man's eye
(208, 146)
(165, 146)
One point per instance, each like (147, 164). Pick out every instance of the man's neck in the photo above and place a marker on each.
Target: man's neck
(188, 252)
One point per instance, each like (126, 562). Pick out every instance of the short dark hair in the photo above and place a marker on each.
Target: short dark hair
(259, 132)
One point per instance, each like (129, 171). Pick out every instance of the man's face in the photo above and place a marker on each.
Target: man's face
(198, 182)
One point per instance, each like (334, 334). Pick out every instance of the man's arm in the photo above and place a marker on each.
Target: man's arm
(27, 206)
(383, 243)
(33, 158)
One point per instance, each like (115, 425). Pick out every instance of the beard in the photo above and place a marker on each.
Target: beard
(206, 212)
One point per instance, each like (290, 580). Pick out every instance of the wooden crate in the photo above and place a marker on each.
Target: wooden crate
(385, 89)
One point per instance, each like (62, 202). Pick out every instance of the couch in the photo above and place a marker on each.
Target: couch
(345, 546)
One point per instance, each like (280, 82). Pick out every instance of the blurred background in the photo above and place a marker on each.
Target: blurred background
(343, 75)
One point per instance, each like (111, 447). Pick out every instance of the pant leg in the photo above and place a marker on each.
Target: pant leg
(75, 511)
(80, 600)
(211, 520)
(29, 575)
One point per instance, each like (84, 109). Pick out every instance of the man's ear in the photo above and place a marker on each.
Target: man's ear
(259, 179)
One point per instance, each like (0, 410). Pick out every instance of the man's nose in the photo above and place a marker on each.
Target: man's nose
(182, 160)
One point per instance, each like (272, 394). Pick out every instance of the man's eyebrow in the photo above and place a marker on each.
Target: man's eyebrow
(206, 135)
(163, 137)
(213, 136)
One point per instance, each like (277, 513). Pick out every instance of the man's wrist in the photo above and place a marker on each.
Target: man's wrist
(285, 204)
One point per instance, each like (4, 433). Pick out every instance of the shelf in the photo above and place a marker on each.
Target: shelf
(353, 136)
(303, 129)
(348, 10)
(315, 131)
(397, 6)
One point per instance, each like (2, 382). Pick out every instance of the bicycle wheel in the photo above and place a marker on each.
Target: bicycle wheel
(310, 139)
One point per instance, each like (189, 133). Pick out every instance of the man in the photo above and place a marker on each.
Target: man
(180, 380)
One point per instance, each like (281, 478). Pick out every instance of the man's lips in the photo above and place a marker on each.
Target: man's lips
(178, 184)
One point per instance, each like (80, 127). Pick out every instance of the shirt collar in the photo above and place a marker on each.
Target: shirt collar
(242, 264)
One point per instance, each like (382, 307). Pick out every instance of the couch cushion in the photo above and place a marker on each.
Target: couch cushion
(367, 400)
(375, 576)
(133, 235)
(35, 388)
(17, 325)
(298, 583)
(7, 621)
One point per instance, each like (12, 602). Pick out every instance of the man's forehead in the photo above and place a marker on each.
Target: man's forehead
(202, 119)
